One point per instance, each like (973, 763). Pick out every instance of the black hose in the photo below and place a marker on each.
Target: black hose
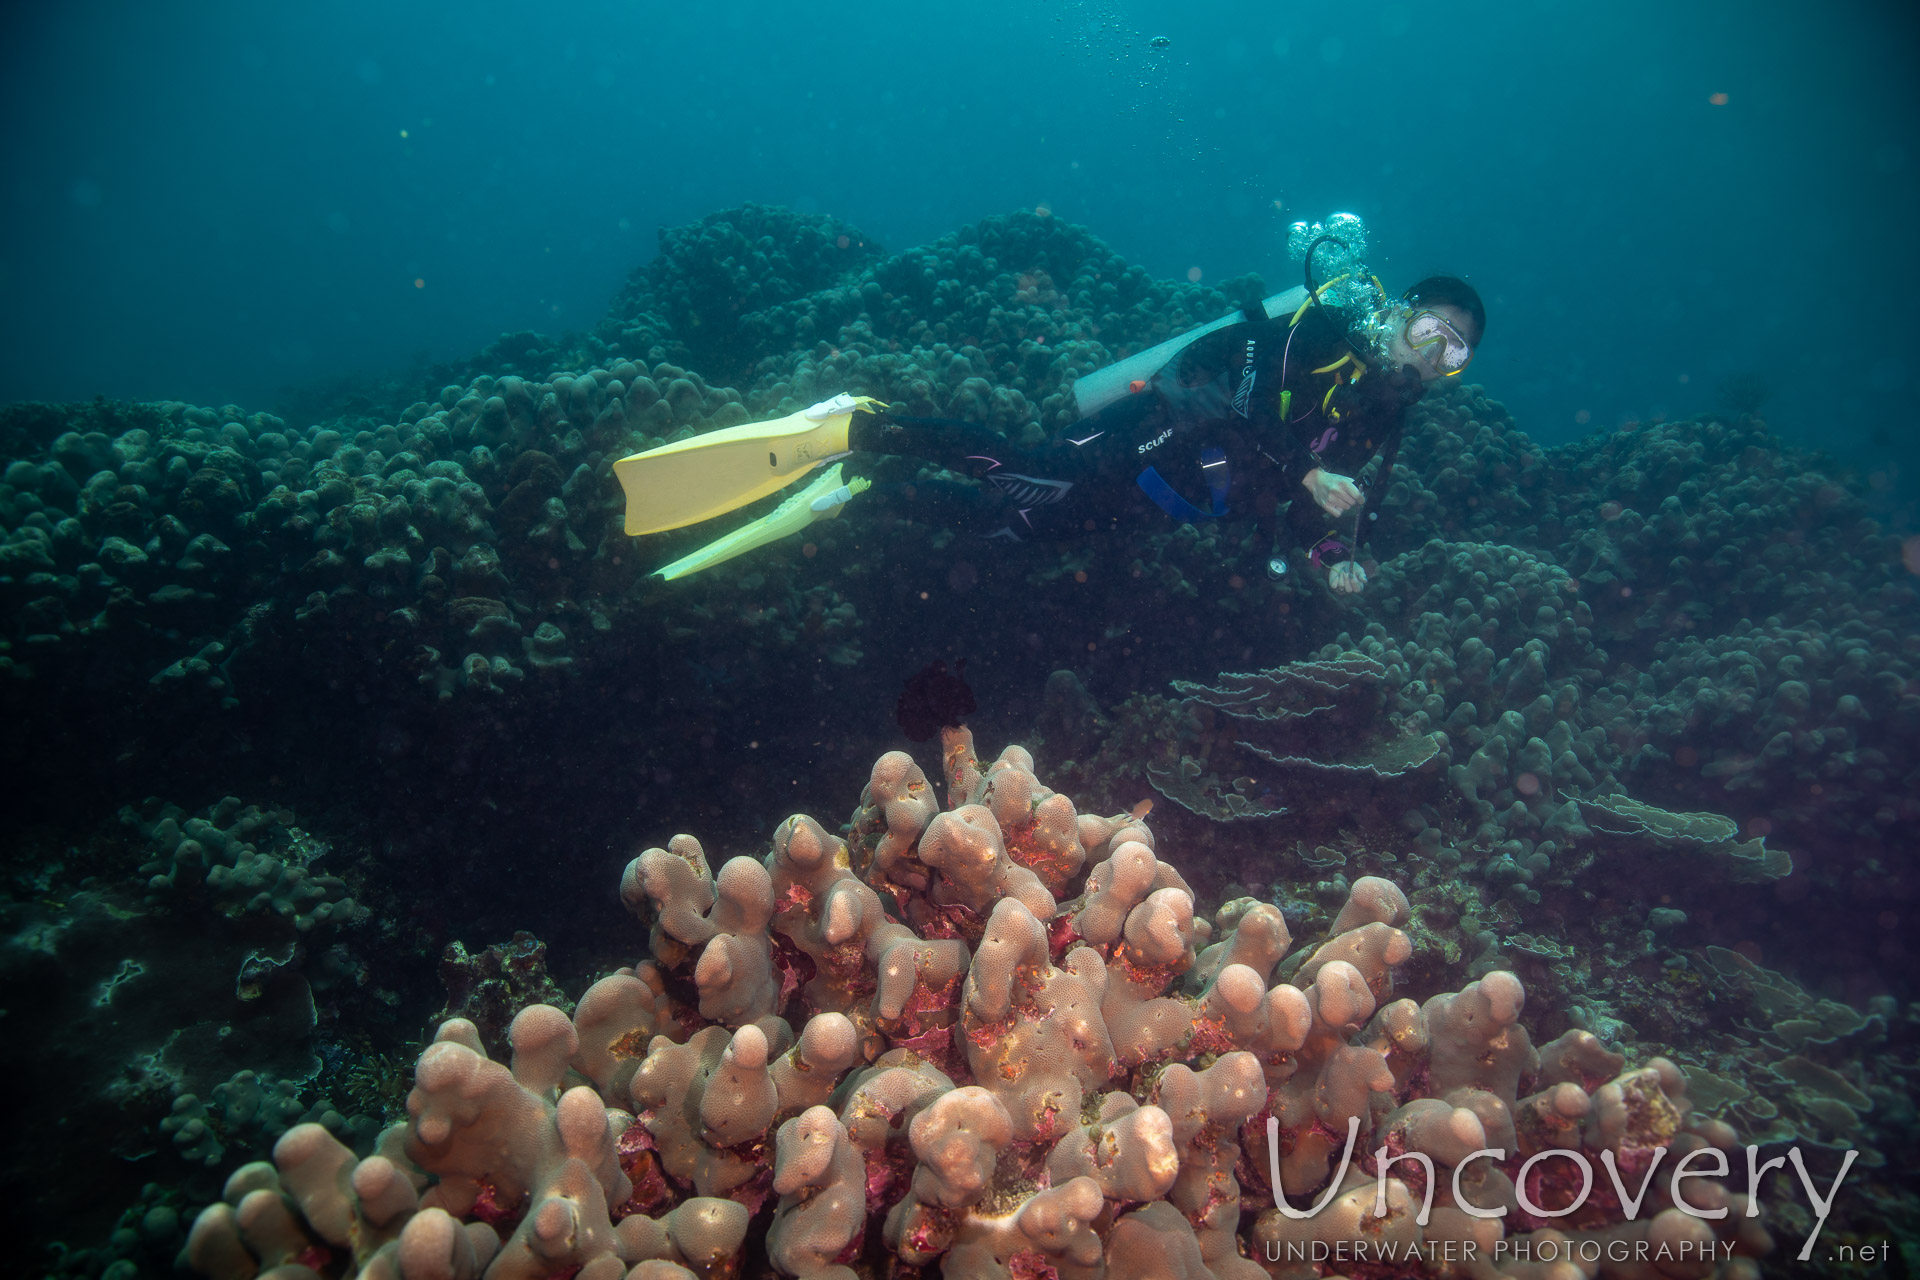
(1308, 264)
(1313, 293)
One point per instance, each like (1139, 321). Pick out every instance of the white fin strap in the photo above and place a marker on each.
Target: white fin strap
(828, 501)
(842, 403)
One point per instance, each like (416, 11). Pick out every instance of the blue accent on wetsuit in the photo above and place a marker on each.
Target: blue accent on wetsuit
(1214, 462)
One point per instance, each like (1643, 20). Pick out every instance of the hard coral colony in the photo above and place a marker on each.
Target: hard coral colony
(1020, 1053)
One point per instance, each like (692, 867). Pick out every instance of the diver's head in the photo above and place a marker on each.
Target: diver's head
(1437, 326)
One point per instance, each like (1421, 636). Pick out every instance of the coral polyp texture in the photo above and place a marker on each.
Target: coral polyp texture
(995, 1037)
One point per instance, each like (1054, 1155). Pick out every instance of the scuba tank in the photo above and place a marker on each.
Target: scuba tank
(1096, 390)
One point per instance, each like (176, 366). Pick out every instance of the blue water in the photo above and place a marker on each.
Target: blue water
(221, 201)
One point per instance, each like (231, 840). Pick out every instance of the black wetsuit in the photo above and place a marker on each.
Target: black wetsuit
(1203, 439)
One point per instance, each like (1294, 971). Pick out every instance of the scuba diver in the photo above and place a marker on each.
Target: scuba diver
(1271, 413)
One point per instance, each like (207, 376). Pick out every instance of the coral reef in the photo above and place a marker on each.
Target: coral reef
(1476, 718)
(420, 528)
(986, 1077)
(1595, 701)
(723, 291)
(467, 542)
(491, 988)
(1758, 629)
(1750, 627)
(475, 533)
(217, 962)
(187, 974)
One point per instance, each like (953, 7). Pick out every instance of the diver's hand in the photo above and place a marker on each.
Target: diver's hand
(1336, 495)
(1347, 577)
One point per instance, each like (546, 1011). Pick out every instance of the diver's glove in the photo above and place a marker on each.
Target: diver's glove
(1347, 577)
(1336, 494)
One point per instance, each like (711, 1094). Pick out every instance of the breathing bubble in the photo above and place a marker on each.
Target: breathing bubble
(1341, 270)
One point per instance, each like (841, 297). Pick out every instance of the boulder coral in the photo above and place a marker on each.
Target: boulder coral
(473, 535)
(948, 1039)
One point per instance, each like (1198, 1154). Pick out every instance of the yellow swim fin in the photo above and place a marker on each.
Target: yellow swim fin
(712, 474)
(823, 498)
